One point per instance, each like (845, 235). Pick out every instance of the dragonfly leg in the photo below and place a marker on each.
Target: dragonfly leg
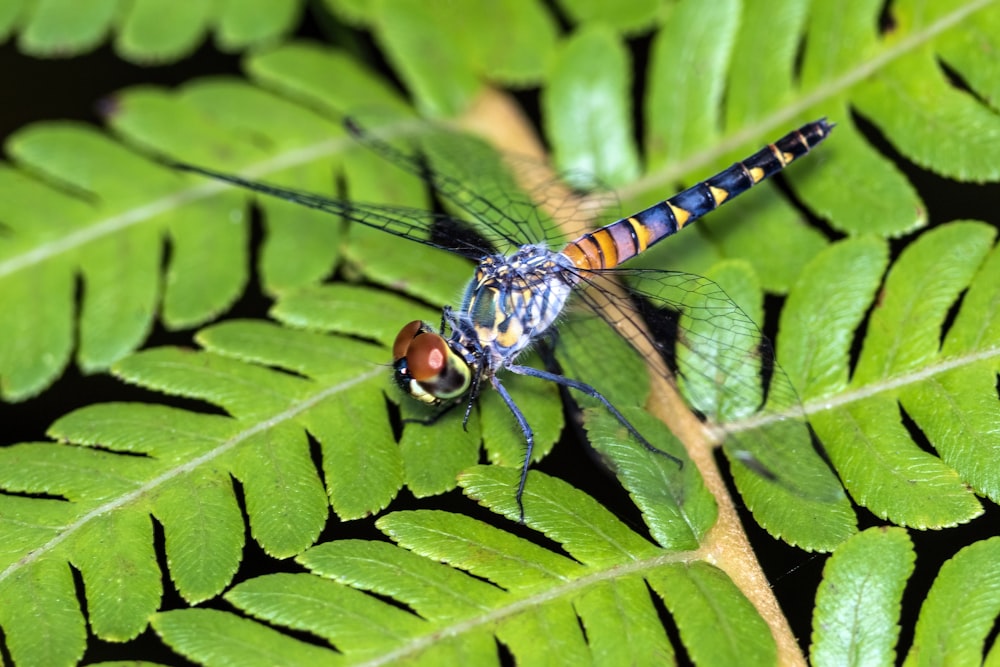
(461, 327)
(473, 394)
(586, 389)
(529, 438)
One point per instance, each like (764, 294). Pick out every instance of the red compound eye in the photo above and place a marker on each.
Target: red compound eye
(427, 357)
(401, 347)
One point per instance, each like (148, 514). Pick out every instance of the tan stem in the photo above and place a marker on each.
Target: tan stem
(498, 119)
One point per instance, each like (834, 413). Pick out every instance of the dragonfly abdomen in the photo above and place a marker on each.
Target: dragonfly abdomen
(623, 239)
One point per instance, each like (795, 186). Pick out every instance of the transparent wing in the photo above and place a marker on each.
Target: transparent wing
(722, 365)
(509, 200)
(492, 204)
(434, 229)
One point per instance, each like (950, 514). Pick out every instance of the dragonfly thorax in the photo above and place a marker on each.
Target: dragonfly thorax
(514, 299)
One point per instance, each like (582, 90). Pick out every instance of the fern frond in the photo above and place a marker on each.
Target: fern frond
(858, 602)
(462, 582)
(961, 608)
(147, 31)
(239, 127)
(903, 371)
(131, 461)
(321, 389)
(909, 422)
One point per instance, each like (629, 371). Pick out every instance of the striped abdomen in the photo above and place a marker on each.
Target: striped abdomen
(611, 245)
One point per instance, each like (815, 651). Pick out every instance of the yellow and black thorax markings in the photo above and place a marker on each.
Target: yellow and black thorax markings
(510, 302)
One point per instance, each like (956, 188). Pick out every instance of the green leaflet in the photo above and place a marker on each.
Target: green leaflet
(302, 72)
(489, 552)
(682, 112)
(432, 459)
(586, 104)
(858, 602)
(621, 624)
(528, 596)
(49, 610)
(445, 54)
(62, 24)
(844, 34)
(350, 309)
(820, 317)
(788, 487)
(8, 16)
(39, 343)
(625, 16)
(356, 623)
(517, 54)
(142, 36)
(244, 24)
(696, 595)
(66, 28)
(211, 636)
(675, 505)
(445, 85)
(842, 195)
(353, 12)
(764, 57)
(960, 609)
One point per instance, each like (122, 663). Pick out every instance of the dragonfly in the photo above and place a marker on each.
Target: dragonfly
(524, 280)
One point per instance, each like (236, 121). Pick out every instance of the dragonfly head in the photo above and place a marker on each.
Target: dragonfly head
(426, 367)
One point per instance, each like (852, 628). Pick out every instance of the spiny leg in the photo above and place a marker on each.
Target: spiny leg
(586, 389)
(529, 438)
(477, 382)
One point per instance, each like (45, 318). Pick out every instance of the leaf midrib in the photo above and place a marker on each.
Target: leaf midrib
(567, 589)
(782, 117)
(889, 384)
(670, 174)
(146, 212)
(185, 468)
